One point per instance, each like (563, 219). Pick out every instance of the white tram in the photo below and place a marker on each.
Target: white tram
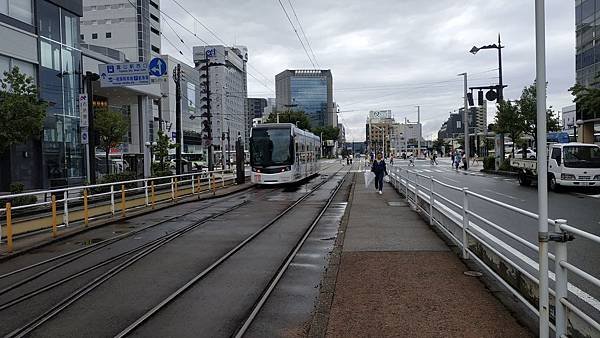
(283, 153)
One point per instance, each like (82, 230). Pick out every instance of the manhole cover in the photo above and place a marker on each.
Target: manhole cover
(473, 273)
(395, 203)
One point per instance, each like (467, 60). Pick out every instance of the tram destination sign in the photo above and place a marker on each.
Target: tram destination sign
(124, 74)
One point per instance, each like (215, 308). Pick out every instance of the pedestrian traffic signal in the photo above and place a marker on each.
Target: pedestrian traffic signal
(470, 99)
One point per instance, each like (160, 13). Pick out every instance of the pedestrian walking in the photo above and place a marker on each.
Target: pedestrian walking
(452, 155)
(457, 160)
(379, 170)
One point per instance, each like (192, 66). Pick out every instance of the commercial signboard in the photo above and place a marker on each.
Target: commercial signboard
(124, 74)
(83, 110)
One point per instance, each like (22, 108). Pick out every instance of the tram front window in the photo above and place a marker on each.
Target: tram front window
(270, 147)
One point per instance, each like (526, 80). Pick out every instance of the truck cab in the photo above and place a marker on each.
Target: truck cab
(569, 165)
(573, 165)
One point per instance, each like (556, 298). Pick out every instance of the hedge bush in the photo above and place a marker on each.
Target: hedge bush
(17, 188)
(489, 163)
(118, 177)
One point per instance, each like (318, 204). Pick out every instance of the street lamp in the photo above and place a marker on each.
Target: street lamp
(151, 146)
(499, 47)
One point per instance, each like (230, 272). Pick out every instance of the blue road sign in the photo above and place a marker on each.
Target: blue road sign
(157, 67)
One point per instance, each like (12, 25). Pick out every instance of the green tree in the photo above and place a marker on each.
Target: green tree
(438, 145)
(21, 112)
(587, 100)
(329, 132)
(110, 127)
(161, 151)
(295, 117)
(528, 110)
(508, 121)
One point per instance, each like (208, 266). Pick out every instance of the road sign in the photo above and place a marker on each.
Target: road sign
(157, 67)
(85, 137)
(124, 74)
(83, 110)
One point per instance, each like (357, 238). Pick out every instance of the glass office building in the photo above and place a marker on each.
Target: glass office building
(587, 59)
(41, 37)
(310, 91)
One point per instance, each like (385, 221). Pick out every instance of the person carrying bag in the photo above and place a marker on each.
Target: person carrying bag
(380, 171)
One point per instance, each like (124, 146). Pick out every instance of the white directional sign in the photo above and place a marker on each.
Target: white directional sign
(83, 110)
(124, 74)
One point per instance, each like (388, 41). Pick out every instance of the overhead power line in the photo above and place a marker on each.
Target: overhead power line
(303, 34)
(298, 35)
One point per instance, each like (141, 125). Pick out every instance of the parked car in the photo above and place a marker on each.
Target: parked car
(519, 154)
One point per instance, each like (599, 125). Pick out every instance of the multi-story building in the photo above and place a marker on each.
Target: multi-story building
(310, 91)
(227, 88)
(42, 38)
(453, 127)
(587, 63)
(379, 131)
(568, 120)
(117, 24)
(256, 106)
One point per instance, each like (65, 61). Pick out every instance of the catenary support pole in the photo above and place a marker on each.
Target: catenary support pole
(466, 120)
(540, 84)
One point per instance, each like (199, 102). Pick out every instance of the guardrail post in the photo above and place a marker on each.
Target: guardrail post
(85, 207)
(405, 185)
(431, 200)
(199, 184)
(193, 190)
(465, 216)
(175, 186)
(223, 177)
(123, 201)
(54, 222)
(112, 199)
(66, 208)
(9, 229)
(153, 195)
(561, 282)
(146, 200)
(172, 190)
(417, 191)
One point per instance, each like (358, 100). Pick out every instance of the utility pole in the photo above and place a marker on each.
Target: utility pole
(542, 153)
(500, 87)
(88, 78)
(228, 148)
(178, 131)
(207, 116)
(419, 137)
(466, 120)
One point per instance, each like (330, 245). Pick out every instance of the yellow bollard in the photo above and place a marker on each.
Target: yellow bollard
(199, 189)
(85, 207)
(175, 189)
(9, 229)
(122, 200)
(214, 183)
(153, 198)
(54, 229)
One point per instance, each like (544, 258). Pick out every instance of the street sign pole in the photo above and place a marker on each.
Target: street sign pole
(542, 153)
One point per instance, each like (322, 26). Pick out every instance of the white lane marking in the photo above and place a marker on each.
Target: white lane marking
(427, 170)
(507, 179)
(438, 170)
(505, 195)
(476, 174)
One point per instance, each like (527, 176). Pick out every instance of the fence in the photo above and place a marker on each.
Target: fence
(82, 203)
(574, 312)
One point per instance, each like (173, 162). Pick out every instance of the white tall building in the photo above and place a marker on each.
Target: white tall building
(228, 92)
(117, 25)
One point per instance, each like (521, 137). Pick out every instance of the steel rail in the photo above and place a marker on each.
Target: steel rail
(104, 243)
(129, 329)
(79, 293)
(267, 292)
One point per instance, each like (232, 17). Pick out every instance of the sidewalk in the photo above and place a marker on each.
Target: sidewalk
(397, 278)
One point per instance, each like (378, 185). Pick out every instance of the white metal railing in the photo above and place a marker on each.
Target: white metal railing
(146, 189)
(415, 186)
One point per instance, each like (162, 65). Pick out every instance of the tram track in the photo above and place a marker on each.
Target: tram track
(189, 284)
(135, 254)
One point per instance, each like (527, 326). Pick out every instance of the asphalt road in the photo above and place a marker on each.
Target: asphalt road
(580, 208)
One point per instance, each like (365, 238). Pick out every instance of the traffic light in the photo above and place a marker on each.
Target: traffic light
(206, 126)
(480, 101)
(470, 99)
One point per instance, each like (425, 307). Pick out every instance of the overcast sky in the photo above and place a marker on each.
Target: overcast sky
(392, 54)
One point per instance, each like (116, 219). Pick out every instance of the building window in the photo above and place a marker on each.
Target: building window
(154, 17)
(108, 35)
(17, 9)
(94, 36)
(153, 4)
(154, 30)
(156, 49)
(82, 37)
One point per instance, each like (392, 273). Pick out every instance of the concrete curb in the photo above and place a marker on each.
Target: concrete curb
(104, 222)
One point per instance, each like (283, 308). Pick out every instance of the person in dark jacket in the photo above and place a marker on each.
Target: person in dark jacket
(379, 170)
